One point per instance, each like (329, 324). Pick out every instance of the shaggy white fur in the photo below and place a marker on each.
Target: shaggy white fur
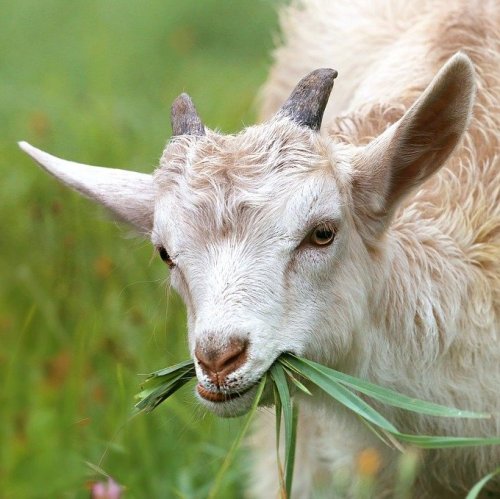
(405, 172)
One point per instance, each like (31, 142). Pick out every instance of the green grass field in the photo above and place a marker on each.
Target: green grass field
(84, 307)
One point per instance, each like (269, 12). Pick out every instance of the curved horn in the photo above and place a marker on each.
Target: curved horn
(184, 118)
(307, 102)
(129, 195)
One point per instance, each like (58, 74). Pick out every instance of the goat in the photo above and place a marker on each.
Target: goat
(364, 235)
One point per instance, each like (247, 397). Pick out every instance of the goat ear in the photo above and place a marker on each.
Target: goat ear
(417, 145)
(129, 195)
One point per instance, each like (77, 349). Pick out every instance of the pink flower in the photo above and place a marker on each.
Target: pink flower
(106, 490)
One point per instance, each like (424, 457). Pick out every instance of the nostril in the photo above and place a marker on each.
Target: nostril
(203, 359)
(222, 361)
(203, 365)
(234, 357)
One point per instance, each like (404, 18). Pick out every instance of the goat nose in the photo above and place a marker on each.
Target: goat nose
(218, 363)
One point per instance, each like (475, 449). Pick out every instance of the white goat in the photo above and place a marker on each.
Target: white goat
(372, 246)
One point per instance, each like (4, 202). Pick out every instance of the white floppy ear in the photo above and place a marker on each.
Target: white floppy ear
(417, 145)
(129, 195)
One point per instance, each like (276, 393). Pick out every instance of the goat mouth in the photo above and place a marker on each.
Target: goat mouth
(219, 397)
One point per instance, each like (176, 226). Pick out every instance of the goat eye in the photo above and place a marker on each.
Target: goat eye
(322, 235)
(165, 256)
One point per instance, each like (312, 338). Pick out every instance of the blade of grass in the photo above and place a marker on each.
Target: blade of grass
(408, 467)
(291, 451)
(150, 398)
(315, 373)
(296, 382)
(341, 394)
(153, 382)
(230, 455)
(278, 376)
(278, 412)
(171, 370)
(386, 437)
(385, 395)
(474, 492)
(439, 442)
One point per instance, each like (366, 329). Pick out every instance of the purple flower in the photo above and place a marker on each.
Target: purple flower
(106, 490)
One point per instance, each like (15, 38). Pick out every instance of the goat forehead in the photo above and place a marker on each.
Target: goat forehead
(247, 159)
(278, 212)
(240, 184)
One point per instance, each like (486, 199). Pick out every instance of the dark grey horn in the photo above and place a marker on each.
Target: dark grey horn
(307, 102)
(184, 118)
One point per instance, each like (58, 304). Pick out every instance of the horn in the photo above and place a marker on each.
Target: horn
(184, 118)
(129, 195)
(307, 102)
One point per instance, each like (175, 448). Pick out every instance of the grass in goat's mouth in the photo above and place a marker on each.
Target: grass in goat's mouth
(289, 370)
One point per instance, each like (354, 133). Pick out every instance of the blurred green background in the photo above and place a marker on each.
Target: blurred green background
(85, 307)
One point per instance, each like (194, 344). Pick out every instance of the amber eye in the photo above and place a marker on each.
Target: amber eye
(322, 235)
(165, 256)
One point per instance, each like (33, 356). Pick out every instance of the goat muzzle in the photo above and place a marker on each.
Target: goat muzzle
(219, 362)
